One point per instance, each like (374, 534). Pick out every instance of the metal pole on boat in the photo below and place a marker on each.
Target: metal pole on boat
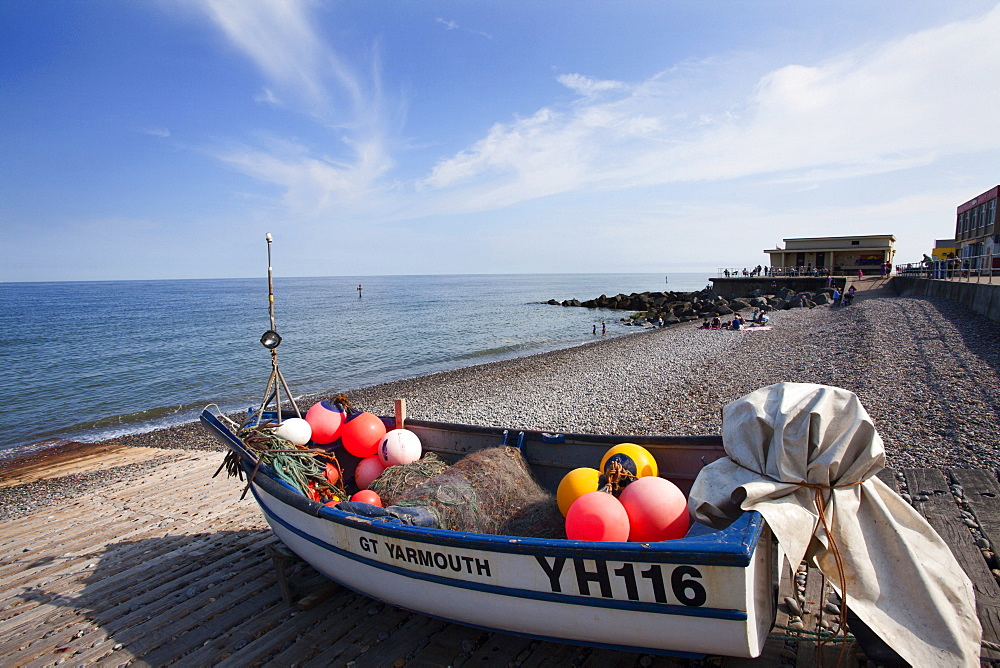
(270, 340)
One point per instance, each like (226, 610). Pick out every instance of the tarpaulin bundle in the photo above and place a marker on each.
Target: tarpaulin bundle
(805, 457)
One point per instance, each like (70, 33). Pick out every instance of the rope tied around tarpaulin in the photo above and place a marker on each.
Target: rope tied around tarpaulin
(819, 500)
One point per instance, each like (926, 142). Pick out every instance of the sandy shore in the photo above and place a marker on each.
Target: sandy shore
(927, 370)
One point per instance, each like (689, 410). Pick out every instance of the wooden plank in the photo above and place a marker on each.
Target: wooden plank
(394, 649)
(555, 655)
(933, 498)
(279, 632)
(499, 649)
(354, 645)
(445, 648)
(982, 494)
(888, 476)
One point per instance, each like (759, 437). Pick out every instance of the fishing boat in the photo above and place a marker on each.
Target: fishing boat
(711, 592)
(708, 592)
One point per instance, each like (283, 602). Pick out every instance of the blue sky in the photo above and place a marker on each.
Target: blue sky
(145, 140)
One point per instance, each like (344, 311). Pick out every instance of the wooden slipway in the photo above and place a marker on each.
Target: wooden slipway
(173, 568)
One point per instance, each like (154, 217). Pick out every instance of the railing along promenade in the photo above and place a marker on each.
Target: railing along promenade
(976, 268)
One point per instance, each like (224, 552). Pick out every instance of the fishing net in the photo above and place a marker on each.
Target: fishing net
(489, 491)
(315, 473)
(397, 480)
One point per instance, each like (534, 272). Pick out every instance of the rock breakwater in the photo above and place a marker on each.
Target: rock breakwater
(676, 307)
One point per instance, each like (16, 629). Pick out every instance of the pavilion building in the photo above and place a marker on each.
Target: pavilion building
(839, 255)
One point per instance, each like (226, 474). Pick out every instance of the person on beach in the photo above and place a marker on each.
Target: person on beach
(595, 328)
(716, 323)
(836, 296)
(849, 295)
(604, 328)
(359, 291)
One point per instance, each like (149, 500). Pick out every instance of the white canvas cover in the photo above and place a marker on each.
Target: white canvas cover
(788, 440)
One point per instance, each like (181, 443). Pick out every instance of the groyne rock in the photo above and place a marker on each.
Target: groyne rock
(677, 307)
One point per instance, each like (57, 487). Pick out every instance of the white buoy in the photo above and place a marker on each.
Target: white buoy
(294, 430)
(399, 446)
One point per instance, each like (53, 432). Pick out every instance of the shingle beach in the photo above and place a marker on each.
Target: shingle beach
(927, 370)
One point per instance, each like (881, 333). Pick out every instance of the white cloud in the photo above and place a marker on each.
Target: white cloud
(587, 86)
(310, 184)
(901, 104)
(155, 131)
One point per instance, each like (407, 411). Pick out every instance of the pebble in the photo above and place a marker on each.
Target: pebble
(793, 606)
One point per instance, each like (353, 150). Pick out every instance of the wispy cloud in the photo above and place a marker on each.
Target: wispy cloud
(154, 131)
(587, 86)
(453, 25)
(267, 96)
(305, 73)
(886, 107)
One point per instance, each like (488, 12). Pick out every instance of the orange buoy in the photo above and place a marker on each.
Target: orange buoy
(362, 433)
(332, 473)
(575, 484)
(597, 516)
(657, 510)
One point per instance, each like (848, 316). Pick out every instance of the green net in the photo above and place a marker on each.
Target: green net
(398, 479)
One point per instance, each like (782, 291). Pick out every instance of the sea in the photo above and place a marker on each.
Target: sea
(87, 361)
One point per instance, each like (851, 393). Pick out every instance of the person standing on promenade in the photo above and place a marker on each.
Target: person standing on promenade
(861, 274)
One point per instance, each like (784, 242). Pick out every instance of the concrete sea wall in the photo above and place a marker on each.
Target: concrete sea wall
(983, 298)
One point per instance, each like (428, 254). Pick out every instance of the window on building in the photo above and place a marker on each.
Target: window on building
(993, 212)
(855, 243)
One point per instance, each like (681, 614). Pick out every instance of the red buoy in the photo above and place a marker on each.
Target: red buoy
(368, 496)
(325, 418)
(362, 433)
(657, 510)
(597, 516)
(367, 470)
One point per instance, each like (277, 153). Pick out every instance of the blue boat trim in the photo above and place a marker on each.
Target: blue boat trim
(586, 601)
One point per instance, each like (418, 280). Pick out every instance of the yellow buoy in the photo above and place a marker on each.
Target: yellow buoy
(635, 459)
(575, 484)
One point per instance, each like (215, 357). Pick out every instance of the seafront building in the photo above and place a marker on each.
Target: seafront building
(976, 230)
(839, 255)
